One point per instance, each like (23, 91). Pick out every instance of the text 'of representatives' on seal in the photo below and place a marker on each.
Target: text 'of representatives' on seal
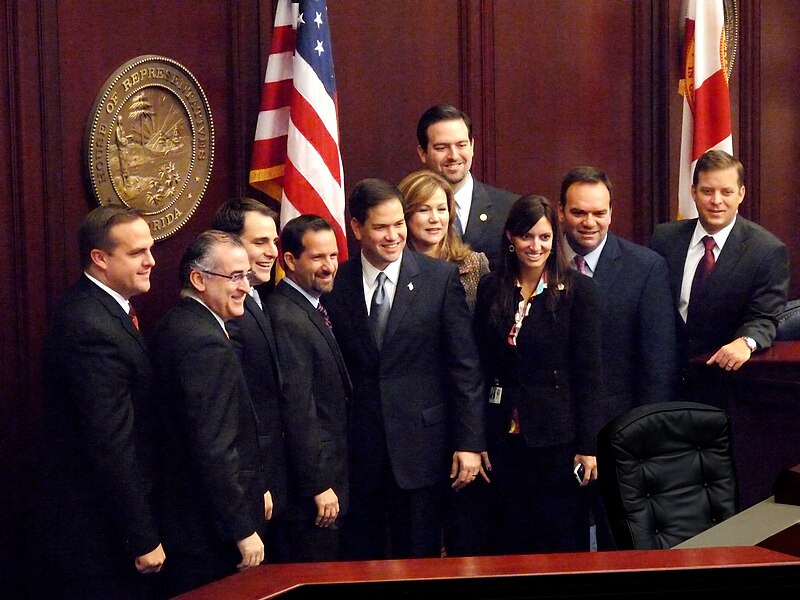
(149, 143)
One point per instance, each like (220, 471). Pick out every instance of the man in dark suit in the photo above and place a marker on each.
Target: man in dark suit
(254, 342)
(213, 500)
(446, 145)
(638, 329)
(418, 397)
(734, 312)
(94, 531)
(316, 388)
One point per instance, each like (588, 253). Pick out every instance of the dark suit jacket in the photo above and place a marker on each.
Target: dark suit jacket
(314, 402)
(421, 396)
(640, 363)
(487, 219)
(553, 375)
(93, 502)
(744, 294)
(212, 493)
(254, 343)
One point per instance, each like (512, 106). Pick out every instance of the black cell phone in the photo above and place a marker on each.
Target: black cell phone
(579, 472)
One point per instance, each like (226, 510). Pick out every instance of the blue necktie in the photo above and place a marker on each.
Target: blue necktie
(379, 310)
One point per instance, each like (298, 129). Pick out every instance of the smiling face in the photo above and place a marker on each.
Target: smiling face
(315, 269)
(428, 223)
(533, 247)
(223, 296)
(260, 239)
(126, 269)
(449, 151)
(717, 196)
(383, 234)
(586, 215)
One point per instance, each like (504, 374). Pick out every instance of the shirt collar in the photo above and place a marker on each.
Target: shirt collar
(123, 302)
(719, 238)
(370, 272)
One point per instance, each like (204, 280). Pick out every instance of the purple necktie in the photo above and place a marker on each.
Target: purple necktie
(580, 264)
(324, 314)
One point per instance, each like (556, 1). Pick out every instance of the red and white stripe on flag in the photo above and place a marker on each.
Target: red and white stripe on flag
(296, 158)
(706, 99)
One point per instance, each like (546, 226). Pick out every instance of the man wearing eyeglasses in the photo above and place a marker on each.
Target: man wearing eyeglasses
(213, 502)
(254, 342)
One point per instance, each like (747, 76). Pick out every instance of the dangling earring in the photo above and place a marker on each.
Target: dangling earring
(511, 247)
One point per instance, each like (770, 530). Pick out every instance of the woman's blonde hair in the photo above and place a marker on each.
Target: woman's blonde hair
(417, 187)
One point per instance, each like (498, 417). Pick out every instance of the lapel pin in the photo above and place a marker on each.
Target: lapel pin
(410, 286)
(483, 216)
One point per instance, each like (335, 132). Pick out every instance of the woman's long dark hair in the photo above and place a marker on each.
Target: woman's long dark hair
(524, 214)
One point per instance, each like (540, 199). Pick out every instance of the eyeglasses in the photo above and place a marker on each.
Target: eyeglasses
(235, 278)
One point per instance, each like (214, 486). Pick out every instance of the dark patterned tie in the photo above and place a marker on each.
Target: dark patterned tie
(324, 314)
(580, 264)
(704, 267)
(132, 315)
(379, 310)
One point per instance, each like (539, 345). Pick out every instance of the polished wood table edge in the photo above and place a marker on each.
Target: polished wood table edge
(270, 581)
(780, 352)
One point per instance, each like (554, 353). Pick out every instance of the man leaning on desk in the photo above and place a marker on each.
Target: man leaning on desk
(729, 276)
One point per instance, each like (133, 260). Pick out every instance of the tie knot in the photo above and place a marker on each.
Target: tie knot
(580, 264)
(709, 242)
(132, 315)
(381, 278)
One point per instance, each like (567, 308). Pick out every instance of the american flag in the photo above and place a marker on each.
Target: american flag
(296, 158)
(706, 99)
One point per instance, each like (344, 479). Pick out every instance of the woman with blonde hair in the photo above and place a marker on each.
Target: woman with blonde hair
(430, 211)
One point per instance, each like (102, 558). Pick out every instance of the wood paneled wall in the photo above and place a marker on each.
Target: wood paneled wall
(549, 84)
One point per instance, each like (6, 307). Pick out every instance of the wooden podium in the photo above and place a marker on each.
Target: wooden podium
(654, 574)
(763, 401)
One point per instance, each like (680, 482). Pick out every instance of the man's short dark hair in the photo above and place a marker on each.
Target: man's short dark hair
(584, 174)
(295, 229)
(230, 216)
(440, 112)
(368, 193)
(95, 231)
(718, 160)
(201, 254)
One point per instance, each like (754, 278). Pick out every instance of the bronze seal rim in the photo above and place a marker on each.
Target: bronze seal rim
(149, 143)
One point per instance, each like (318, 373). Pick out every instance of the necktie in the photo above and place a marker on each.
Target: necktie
(459, 228)
(580, 264)
(379, 310)
(704, 267)
(132, 315)
(254, 293)
(324, 313)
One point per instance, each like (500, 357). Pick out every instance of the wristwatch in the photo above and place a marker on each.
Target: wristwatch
(751, 343)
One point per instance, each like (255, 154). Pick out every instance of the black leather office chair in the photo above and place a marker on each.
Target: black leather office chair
(789, 322)
(666, 473)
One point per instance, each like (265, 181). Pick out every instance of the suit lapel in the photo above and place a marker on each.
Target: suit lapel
(113, 307)
(606, 271)
(676, 258)
(351, 280)
(264, 323)
(481, 203)
(404, 294)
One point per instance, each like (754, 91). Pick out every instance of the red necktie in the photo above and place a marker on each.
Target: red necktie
(704, 267)
(132, 315)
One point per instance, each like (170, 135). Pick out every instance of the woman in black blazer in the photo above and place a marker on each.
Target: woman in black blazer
(537, 325)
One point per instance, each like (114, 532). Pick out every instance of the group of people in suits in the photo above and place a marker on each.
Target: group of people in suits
(369, 410)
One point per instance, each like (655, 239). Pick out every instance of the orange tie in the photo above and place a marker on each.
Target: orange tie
(132, 315)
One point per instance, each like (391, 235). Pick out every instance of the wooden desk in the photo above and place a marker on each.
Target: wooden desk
(763, 400)
(692, 573)
(750, 527)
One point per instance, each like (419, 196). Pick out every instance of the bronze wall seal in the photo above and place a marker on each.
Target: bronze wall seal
(149, 143)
